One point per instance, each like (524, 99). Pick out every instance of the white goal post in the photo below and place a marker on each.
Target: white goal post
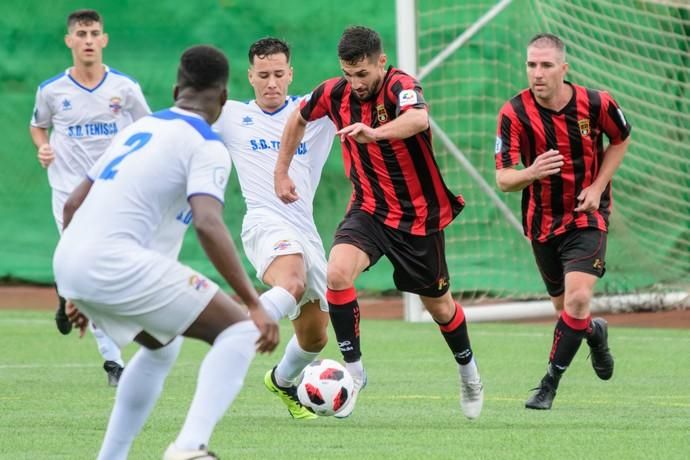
(469, 57)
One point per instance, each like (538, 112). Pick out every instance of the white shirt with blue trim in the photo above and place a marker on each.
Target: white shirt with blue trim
(83, 121)
(138, 203)
(252, 137)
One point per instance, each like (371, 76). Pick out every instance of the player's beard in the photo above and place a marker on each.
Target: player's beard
(371, 93)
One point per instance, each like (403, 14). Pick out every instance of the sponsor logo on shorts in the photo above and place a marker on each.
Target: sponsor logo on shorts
(282, 245)
(198, 283)
(598, 264)
(442, 282)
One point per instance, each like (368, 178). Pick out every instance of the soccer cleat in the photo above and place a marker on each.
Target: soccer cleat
(542, 399)
(472, 398)
(289, 397)
(64, 325)
(173, 453)
(114, 372)
(359, 383)
(602, 360)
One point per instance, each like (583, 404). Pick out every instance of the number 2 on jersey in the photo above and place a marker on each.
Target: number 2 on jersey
(136, 141)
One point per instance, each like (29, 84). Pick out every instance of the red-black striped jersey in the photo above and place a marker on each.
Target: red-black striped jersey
(396, 180)
(526, 129)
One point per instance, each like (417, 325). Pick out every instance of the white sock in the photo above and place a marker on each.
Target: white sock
(355, 369)
(278, 302)
(106, 347)
(139, 388)
(469, 372)
(294, 361)
(220, 379)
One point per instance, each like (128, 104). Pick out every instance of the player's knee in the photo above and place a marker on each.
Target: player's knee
(578, 300)
(338, 278)
(295, 285)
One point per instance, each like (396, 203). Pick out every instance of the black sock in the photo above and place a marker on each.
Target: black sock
(344, 312)
(457, 338)
(567, 337)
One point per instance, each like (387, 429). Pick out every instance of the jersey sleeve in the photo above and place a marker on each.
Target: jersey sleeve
(613, 122)
(209, 169)
(408, 94)
(315, 105)
(42, 115)
(138, 106)
(507, 151)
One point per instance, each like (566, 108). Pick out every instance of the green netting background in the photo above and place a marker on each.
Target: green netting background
(146, 39)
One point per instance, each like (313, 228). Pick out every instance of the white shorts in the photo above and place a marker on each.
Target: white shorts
(272, 238)
(163, 310)
(59, 199)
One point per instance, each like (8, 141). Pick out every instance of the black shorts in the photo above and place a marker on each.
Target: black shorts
(419, 262)
(579, 250)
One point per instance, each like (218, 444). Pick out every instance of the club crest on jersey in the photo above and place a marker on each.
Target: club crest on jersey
(66, 105)
(584, 126)
(198, 283)
(381, 113)
(407, 97)
(247, 121)
(115, 105)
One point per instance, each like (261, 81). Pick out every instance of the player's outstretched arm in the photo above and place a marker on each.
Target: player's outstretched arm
(215, 239)
(292, 136)
(75, 199)
(409, 123)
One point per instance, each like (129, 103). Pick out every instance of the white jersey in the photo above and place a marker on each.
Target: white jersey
(138, 204)
(84, 121)
(252, 137)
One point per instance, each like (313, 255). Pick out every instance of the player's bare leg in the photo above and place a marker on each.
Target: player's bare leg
(288, 276)
(450, 317)
(345, 263)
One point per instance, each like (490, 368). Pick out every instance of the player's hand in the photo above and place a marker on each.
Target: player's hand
(359, 132)
(45, 155)
(77, 318)
(588, 199)
(547, 164)
(268, 328)
(285, 188)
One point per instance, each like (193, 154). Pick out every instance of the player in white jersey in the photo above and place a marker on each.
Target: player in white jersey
(281, 240)
(117, 260)
(84, 107)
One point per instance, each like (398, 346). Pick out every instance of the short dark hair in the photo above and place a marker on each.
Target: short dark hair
(266, 47)
(545, 38)
(357, 43)
(202, 67)
(83, 17)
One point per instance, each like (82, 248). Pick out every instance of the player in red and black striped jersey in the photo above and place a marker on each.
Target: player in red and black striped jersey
(399, 205)
(556, 130)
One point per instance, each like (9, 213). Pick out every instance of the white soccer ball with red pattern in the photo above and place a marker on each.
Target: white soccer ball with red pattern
(326, 387)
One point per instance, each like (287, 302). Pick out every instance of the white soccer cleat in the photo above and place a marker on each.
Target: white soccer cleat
(173, 453)
(472, 397)
(359, 384)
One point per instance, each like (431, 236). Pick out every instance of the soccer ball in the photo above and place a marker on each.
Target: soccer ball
(326, 387)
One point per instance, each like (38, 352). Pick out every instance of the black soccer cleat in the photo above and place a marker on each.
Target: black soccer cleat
(114, 371)
(64, 325)
(602, 360)
(542, 399)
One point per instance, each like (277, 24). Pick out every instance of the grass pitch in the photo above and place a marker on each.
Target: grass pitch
(54, 402)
